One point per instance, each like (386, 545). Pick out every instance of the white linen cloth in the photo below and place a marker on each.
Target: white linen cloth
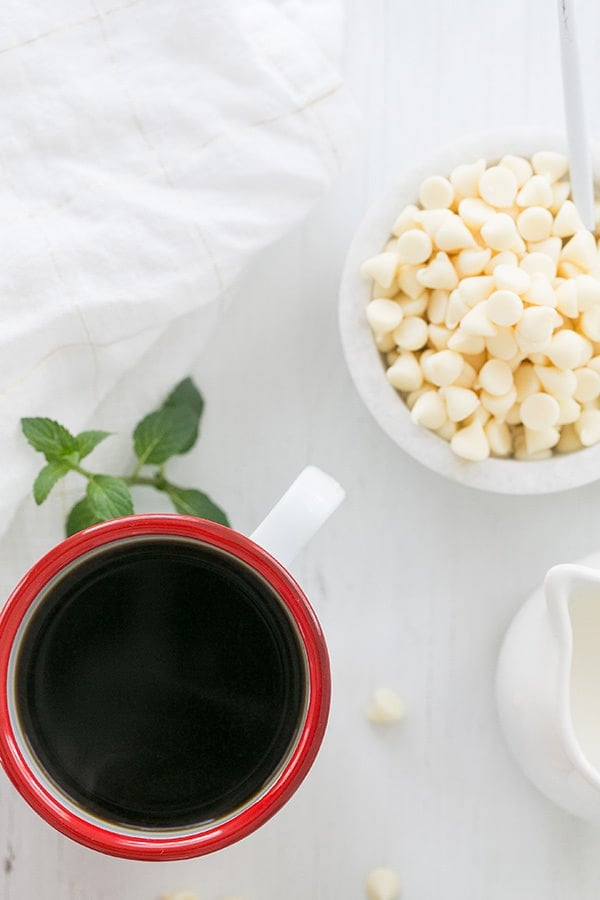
(148, 150)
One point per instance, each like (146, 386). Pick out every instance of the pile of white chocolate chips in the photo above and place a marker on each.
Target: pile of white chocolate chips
(486, 308)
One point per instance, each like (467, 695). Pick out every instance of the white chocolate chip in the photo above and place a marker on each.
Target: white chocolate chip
(453, 236)
(581, 250)
(465, 178)
(442, 368)
(474, 212)
(590, 323)
(513, 416)
(511, 278)
(406, 373)
(457, 309)
(569, 440)
(436, 193)
(448, 430)
(537, 191)
(537, 324)
(539, 411)
(502, 345)
(504, 307)
(467, 377)
(506, 258)
(566, 269)
(382, 268)
(500, 233)
(384, 315)
(499, 437)
(407, 281)
(558, 382)
(466, 343)
(520, 167)
(539, 262)
(499, 405)
(560, 193)
(540, 291)
(551, 247)
(535, 223)
(550, 164)
(411, 333)
(569, 350)
(460, 402)
(566, 298)
(385, 341)
(498, 186)
(405, 220)
(541, 439)
(414, 246)
(440, 273)
(567, 221)
(473, 290)
(570, 410)
(472, 262)
(438, 336)
(496, 377)
(431, 220)
(587, 427)
(386, 707)
(477, 322)
(382, 884)
(588, 292)
(413, 307)
(437, 307)
(471, 443)
(587, 385)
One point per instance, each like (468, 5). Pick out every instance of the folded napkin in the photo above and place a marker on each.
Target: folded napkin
(148, 150)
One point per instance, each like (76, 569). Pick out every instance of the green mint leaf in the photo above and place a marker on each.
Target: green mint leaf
(47, 478)
(162, 434)
(191, 502)
(108, 497)
(50, 438)
(186, 394)
(88, 440)
(80, 517)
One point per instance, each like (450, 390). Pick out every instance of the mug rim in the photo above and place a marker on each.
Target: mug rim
(47, 803)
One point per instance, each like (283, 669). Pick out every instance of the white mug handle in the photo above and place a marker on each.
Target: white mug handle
(305, 506)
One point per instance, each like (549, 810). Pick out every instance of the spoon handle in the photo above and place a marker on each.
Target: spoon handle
(580, 155)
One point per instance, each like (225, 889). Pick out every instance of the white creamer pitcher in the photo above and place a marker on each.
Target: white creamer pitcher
(548, 687)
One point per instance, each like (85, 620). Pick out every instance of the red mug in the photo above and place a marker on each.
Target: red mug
(94, 735)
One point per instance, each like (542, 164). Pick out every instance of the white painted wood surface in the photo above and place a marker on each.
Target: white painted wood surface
(415, 579)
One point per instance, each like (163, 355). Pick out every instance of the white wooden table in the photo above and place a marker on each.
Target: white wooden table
(415, 579)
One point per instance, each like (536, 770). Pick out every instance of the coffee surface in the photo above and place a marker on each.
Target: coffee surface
(160, 683)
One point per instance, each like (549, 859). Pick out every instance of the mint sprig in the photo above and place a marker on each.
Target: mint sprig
(166, 432)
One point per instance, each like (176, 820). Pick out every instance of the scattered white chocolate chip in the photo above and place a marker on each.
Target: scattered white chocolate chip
(540, 292)
(437, 306)
(588, 292)
(472, 261)
(581, 249)
(438, 336)
(454, 236)
(386, 707)
(436, 193)
(569, 440)
(496, 377)
(382, 884)
(477, 322)
(499, 437)
(587, 427)
(502, 345)
(511, 278)
(558, 382)
(568, 350)
(587, 387)
(541, 439)
(466, 343)
(414, 246)
(385, 341)
(567, 220)
(407, 281)
(560, 193)
(566, 298)
(406, 373)
(474, 212)
(382, 268)
(498, 186)
(476, 288)
(570, 410)
(498, 405)
(384, 315)
(405, 220)
(539, 262)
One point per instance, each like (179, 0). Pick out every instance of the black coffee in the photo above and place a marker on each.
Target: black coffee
(160, 683)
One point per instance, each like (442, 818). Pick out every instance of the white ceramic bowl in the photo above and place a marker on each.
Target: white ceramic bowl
(505, 476)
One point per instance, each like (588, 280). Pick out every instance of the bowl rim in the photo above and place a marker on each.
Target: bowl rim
(504, 476)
